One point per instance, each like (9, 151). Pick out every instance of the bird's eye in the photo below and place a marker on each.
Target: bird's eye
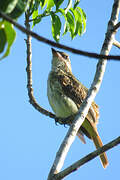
(64, 56)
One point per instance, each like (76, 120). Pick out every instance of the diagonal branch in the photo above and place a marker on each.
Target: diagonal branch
(79, 119)
(58, 45)
(87, 158)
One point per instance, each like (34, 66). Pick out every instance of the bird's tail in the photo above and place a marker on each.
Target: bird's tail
(98, 143)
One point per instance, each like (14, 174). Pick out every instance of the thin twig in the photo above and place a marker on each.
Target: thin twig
(116, 43)
(32, 100)
(79, 119)
(45, 14)
(87, 158)
(116, 26)
(52, 43)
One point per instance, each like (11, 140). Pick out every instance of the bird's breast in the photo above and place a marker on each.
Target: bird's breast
(62, 105)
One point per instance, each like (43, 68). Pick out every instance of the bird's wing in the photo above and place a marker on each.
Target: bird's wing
(77, 92)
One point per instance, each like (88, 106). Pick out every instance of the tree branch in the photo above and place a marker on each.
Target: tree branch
(29, 71)
(52, 43)
(116, 26)
(87, 158)
(116, 43)
(79, 119)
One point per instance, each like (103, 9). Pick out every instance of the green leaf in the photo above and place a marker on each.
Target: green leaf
(7, 6)
(83, 15)
(35, 14)
(76, 3)
(36, 4)
(36, 21)
(56, 26)
(80, 20)
(78, 29)
(19, 9)
(50, 4)
(71, 23)
(10, 37)
(43, 3)
(35, 18)
(58, 3)
(66, 28)
(2, 40)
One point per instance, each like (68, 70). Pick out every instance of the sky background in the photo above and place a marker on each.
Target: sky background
(29, 140)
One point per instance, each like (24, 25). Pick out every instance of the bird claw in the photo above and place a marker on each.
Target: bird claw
(60, 121)
(56, 121)
(65, 125)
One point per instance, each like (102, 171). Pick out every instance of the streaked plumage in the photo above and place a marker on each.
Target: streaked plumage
(66, 93)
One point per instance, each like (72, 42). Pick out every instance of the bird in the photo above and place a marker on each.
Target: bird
(65, 95)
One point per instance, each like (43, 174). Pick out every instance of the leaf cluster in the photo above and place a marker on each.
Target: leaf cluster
(13, 8)
(58, 10)
(74, 16)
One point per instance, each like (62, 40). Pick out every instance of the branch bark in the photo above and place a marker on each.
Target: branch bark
(58, 45)
(32, 99)
(116, 26)
(79, 119)
(116, 43)
(87, 158)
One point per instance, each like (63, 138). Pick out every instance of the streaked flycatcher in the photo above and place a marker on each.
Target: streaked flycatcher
(65, 95)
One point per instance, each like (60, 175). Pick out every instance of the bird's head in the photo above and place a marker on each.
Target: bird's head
(60, 61)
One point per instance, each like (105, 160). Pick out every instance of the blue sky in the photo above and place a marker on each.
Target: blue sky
(29, 140)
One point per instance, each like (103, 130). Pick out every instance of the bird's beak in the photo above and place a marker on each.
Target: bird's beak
(54, 52)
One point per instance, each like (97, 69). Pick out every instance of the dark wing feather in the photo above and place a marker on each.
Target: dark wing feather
(77, 92)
